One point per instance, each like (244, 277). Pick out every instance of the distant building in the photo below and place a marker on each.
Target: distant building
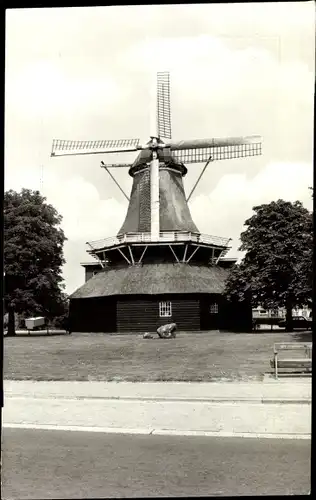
(259, 311)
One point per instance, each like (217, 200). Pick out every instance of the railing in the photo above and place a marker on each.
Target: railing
(165, 236)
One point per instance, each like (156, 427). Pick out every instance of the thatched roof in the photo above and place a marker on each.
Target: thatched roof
(154, 279)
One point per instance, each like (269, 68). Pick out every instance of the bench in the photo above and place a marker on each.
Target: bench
(302, 364)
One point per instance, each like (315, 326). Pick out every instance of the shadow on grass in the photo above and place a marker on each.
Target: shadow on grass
(289, 374)
(306, 336)
(299, 333)
(259, 332)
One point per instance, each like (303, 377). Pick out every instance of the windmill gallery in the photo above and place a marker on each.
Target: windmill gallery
(159, 268)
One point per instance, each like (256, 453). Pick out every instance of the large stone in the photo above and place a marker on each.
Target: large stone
(167, 331)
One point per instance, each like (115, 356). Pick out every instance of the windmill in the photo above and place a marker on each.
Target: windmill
(160, 146)
(158, 218)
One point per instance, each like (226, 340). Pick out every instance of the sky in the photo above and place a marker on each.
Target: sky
(86, 73)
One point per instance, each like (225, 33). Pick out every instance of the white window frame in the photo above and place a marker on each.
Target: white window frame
(165, 309)
(214, 308)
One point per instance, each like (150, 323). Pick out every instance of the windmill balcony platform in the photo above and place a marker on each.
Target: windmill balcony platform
(165, 238)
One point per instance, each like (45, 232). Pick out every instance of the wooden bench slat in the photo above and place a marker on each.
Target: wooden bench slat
(293, 366)
(291, 346)
(292, 363)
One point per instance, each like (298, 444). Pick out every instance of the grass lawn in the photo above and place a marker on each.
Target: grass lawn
(203, 356)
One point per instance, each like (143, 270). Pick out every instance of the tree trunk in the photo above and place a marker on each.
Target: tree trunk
(289, 318)
(11, 323)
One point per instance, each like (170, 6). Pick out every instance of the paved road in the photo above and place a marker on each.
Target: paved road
(59, 464)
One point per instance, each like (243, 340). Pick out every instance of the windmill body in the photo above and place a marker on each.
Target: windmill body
(159, 268)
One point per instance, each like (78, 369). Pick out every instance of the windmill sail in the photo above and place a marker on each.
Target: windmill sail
(200, 151)
(163, 105)
(66, 148)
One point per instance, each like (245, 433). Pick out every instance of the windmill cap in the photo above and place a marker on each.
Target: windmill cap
(164, 155)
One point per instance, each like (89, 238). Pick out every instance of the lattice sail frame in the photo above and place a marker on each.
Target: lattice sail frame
(62, 148)
(201, 155)
(163, 105)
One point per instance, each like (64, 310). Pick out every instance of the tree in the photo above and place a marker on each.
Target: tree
(276, 270)
(33, 256)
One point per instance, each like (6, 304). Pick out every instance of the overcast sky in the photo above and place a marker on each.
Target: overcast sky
(85, 73)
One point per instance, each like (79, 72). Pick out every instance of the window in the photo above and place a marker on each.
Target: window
(214, 308)
(165, 309)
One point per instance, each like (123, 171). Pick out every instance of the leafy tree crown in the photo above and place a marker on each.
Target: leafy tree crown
(33, 254)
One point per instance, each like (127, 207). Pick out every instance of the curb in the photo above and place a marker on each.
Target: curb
(223, 400)
(156, 432)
